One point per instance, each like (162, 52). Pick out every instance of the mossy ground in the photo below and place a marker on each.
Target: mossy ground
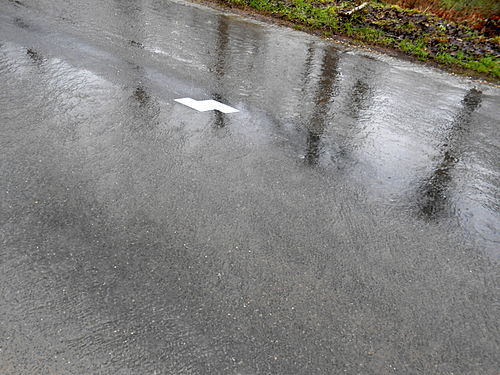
(457, 46)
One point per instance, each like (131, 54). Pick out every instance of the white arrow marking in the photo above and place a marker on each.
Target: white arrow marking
(206, 105)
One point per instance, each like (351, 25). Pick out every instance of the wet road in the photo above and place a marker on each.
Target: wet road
(346, 220)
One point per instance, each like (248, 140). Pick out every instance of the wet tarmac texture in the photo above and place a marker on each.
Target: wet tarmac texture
(344, 221)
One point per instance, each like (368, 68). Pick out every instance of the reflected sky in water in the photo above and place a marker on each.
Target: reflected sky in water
(346, 218)
(420, 145)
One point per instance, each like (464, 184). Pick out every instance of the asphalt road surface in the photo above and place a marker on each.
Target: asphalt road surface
(345, 220)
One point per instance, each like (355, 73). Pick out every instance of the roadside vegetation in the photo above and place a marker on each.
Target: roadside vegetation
(463, 39)
(455, 9)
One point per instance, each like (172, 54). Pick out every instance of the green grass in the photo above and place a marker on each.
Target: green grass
(482, 6)
(414, 48)
(369, 34)
(487, 65)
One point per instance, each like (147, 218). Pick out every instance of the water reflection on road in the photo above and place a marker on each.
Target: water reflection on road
(345, 219)
(433, 191)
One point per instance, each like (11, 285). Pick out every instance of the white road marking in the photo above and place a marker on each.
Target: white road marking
(206, 105)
